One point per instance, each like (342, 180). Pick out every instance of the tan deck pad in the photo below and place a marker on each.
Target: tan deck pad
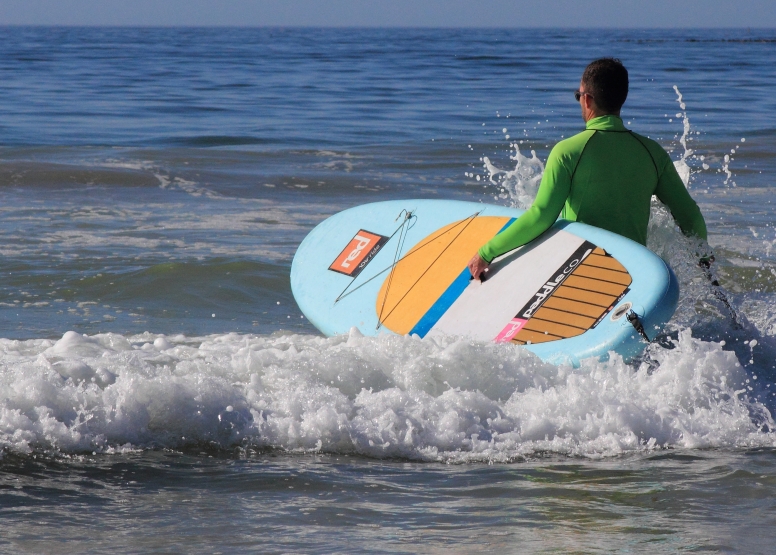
(561, 317)
(575, 307)
(585, 296)
(524, 336)
(603, 274)
(594, 285)
(605, 262)
(561, 330)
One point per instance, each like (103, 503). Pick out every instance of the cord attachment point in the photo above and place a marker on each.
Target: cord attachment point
(635, 321)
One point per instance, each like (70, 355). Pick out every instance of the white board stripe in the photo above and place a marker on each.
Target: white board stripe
(513, 280)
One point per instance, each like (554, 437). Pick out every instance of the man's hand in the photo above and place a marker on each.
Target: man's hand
(706, 261)
(477, 266)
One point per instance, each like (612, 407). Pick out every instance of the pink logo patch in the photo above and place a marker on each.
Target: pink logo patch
(511, 330)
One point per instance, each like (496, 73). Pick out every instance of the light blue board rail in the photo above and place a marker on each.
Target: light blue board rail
(653, 293)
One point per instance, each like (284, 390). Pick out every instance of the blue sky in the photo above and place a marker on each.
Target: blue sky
(394, 13)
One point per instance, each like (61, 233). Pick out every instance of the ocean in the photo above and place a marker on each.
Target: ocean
(161, 392)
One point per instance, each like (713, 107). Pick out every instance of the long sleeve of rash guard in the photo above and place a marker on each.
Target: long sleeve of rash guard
(552, 194)
(616, 185)
(672, 192)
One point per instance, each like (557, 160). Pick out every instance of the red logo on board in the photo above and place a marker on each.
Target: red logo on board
(359, 252)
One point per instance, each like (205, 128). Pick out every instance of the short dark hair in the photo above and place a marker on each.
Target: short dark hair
(606, 79)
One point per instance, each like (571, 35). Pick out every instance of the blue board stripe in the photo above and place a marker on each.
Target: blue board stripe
(446, 299)
(441, 305)
(506, 225)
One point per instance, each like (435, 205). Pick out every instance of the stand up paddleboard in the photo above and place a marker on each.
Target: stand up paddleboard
(401, 267)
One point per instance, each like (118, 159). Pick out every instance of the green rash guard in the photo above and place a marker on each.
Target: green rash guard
(604, 176)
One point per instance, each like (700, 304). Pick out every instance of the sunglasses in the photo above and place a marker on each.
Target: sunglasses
(578, 94)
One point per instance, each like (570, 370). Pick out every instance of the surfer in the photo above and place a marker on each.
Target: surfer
(604, 176)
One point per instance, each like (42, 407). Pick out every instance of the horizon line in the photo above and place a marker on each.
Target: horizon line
(418, 27)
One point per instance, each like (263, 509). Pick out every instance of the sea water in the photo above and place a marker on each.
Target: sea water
(160, 391)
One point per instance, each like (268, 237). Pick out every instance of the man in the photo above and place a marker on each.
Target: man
(604, 176)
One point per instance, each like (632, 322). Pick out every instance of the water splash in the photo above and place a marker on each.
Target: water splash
(727, 159)
(442, 399)
(681, 165)
(520, 184)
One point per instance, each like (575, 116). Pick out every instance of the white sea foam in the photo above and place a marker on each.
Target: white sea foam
(442, 399)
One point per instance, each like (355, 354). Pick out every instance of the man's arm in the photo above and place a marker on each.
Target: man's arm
(672, 192)
(552, 194)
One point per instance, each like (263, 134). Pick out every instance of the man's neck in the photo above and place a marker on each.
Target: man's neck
(592, 114)
(607, 122)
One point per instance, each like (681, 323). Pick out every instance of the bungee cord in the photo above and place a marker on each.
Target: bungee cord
(380, 318)
(409, 216)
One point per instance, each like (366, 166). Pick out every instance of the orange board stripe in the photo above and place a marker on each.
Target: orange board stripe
(418, 281)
